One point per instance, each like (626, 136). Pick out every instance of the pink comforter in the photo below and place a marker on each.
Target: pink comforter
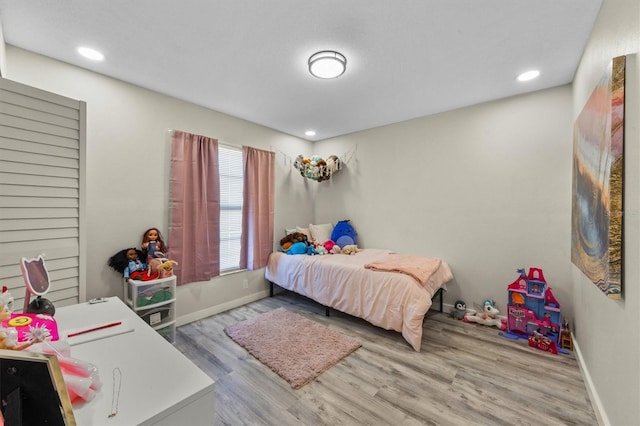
(391, 300)
(419, 267)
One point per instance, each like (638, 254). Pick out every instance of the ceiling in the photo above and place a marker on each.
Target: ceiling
(248, 59)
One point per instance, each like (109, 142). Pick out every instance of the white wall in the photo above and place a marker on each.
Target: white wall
(486, 188)
(608, 331)
(127, 172)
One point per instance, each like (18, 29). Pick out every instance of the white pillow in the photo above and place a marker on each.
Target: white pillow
(321, 233)
(305, 231)
(288, 231)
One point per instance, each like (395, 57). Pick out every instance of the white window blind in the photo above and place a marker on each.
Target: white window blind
(231, 184)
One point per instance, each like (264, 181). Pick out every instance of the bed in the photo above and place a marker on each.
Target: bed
(390, 290)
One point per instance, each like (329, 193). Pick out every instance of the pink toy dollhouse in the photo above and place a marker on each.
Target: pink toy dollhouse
(533, 312)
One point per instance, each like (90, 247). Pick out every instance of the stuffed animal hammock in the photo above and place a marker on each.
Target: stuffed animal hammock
(316, 168)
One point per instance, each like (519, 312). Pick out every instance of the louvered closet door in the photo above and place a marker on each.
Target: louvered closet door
(42, 145)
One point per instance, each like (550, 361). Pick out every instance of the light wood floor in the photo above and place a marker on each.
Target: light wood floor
(464, 375)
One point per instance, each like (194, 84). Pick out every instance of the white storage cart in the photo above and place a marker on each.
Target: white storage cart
(154, 301)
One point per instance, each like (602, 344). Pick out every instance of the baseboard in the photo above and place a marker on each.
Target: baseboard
(213, 310)
(601, 414)
(447, 307)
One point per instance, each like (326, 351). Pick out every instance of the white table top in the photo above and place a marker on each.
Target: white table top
(157, 380)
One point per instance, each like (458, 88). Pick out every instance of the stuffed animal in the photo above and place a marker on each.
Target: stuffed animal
(487, 314)
(152, 272)
(344, 234)
(459, 309)
(350, 249)
(321, 250)
(290, 239)
(333, 165)
(165, 269)
(312, 168)
(297, 248)
(299, 164)
(328, 245)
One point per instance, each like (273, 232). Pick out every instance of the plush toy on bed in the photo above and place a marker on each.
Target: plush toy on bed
(350, 249)
(297, 248)
(290, 239)
(328, 245)
(344, 234)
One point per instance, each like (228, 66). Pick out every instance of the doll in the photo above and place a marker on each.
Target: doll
(128, 263)
(152, 244)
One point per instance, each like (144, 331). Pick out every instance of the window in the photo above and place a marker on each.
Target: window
(231, 184)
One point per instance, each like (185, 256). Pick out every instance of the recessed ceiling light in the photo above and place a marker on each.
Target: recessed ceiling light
(529, 75)
(327, 64)
(89, 53)
(310, 133)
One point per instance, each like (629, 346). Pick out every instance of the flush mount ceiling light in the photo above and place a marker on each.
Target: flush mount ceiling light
(529, 75)
(327, 64)
(90, 53)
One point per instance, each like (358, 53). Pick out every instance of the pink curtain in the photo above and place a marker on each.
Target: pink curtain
(257, 208)
(194, 237)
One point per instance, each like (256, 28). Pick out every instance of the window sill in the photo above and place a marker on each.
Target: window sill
(231, 272)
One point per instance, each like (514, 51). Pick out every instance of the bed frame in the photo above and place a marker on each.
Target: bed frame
(439, 294)
(389, 290)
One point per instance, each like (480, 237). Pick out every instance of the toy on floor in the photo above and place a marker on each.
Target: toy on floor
(487, 314)
(540, 341)
(459, 309)
(566, 341)
(533, 313)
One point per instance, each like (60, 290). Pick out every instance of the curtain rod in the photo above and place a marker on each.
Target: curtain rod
(172, 132)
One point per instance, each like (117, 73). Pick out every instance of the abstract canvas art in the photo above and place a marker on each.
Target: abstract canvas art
(598, 175)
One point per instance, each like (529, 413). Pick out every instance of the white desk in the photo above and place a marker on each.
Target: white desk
(159, 384)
